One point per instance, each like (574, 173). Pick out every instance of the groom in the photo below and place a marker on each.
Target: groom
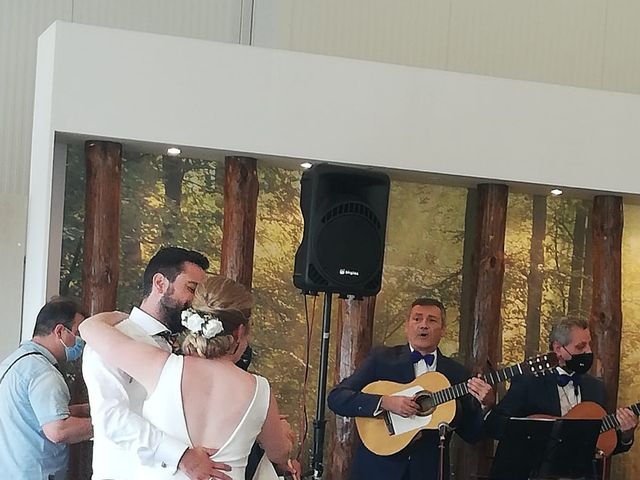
(122, 438)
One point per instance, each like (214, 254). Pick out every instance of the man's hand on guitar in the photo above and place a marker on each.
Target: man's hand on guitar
(482, 391)
(628, 423)
(403, 406)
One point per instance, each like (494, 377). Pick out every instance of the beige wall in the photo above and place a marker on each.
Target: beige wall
(590, 43)
(21, 23)
(586, 43)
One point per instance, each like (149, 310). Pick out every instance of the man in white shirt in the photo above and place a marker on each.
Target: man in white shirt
(123, 439)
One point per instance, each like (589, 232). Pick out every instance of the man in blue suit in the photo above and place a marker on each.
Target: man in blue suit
(403, 363)
(557, 393)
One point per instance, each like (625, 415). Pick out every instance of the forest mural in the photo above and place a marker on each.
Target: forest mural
(169, 200)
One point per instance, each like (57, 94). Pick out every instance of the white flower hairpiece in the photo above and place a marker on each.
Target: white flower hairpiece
(203, 323)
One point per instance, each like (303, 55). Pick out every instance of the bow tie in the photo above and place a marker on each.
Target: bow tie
(563, 380)
(416, 356)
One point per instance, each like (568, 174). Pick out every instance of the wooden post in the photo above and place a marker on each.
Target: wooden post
(467, 293)
(239, 227)
(487, 278)
(100, 263)
(606, 306)
(355, 333)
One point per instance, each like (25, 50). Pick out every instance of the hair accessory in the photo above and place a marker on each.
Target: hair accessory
(204, 324)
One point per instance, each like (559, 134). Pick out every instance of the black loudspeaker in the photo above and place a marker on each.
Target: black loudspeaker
(345, 220)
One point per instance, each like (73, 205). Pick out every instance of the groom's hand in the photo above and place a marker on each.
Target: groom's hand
(197, 465)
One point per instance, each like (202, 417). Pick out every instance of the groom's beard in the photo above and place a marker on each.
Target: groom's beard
(171, 311)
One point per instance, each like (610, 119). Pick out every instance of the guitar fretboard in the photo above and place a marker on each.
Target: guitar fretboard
(460, 389)
(610, 421)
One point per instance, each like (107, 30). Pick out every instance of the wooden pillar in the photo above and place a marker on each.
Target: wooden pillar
(240, 210)
(101, 260)
(100, 264)
(354, 338)
(606, 306)
(487, 278)
(467, 293)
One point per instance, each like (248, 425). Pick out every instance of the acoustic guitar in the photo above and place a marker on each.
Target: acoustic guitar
(389, 433)
(608, 438)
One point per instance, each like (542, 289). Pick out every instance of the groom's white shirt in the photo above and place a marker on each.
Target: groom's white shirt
(122, 439)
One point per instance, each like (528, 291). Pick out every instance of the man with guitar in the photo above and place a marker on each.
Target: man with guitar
(420, 459)
(558, 394)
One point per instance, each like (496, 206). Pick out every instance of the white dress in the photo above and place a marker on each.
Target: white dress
(165, 410)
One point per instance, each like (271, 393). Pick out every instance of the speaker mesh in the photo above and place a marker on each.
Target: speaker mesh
(353, 208)
(348, 244)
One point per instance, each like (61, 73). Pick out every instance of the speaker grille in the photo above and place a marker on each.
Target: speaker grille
(352, 208)
(315, 276)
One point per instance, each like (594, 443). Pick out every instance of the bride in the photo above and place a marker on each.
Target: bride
(201, 398)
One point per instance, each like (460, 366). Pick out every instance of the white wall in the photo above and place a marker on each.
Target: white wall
(587, 43)
(266, 102)
(21, 22)
(593, 43)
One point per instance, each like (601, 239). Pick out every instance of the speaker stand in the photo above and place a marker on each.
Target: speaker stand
(319, 423)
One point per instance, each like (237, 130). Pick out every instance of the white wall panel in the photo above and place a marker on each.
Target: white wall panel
(557, 41)
(412, 32)
(622, 46)
(21, 22)
(13, 209)
(205, 19)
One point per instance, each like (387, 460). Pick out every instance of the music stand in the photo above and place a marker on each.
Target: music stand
(571, 450)
(521, 448)
(546, 449)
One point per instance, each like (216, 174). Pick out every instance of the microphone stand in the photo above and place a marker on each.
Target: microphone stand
(442, 433)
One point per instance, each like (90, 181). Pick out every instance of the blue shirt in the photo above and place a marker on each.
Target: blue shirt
(32, 393)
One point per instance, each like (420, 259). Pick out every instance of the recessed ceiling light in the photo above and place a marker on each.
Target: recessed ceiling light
(555, 192)
(173, 151)
(306, 165)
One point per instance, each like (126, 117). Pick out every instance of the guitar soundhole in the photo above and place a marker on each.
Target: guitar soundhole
(424, 399)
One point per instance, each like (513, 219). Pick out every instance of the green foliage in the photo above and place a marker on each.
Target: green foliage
(181, 203)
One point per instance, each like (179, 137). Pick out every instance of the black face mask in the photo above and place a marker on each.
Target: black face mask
(579, 362)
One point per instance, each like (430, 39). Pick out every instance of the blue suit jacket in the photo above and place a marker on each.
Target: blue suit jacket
(530, 395)
(419, 460)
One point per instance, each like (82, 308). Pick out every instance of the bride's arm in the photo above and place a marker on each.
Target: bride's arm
(273, 438)
(141, 361)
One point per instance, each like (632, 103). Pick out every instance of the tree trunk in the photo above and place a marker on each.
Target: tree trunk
(587, 265)
(355, 333)
(606, 308)
(536, 275)
(488, 276)
(101, 263)
(239, 226)
(468, 282)
(577, 261)
(172, 176)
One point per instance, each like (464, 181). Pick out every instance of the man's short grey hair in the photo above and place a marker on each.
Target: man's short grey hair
(561, 330)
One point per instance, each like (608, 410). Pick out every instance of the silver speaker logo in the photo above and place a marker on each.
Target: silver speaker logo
(353, 273)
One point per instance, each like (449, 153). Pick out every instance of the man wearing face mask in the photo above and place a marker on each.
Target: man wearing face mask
(123, 439)
(36, 421)
(569, 385)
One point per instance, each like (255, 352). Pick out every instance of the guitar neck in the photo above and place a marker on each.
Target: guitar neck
(461, 389)
(610, 421)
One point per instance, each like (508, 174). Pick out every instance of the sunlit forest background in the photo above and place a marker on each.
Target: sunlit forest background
(179, 201)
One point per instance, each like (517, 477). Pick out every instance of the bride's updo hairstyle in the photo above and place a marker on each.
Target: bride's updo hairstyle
(217, 299)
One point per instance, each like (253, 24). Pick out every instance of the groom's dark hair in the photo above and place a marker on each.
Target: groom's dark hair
(169, 261)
